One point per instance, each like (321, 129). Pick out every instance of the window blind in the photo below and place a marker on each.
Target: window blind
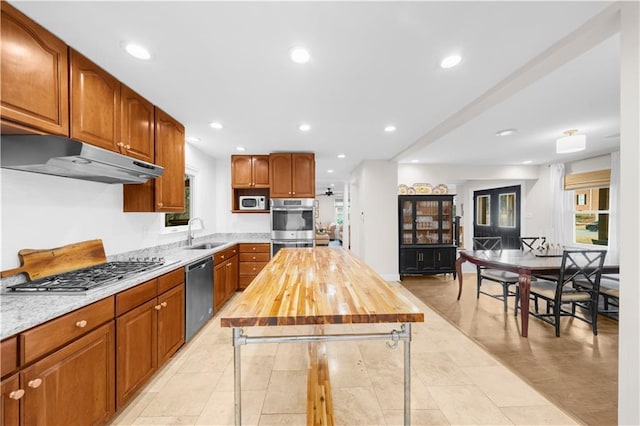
(597, 178)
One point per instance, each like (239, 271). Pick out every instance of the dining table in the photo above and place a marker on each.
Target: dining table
(320, 286)
(525, 263)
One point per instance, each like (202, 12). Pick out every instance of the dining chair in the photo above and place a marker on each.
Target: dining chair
(577, 284)
(609, 293)
(504, 278)
(532, 243)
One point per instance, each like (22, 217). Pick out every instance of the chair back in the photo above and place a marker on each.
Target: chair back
(532, 243)
(487, 243)
(581, 266)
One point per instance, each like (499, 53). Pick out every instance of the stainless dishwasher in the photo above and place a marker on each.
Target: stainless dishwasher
(199, 295)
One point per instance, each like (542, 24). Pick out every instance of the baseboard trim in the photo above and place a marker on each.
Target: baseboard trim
(391, 277)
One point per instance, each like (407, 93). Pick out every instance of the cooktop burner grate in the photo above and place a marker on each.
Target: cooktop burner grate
(87, 278)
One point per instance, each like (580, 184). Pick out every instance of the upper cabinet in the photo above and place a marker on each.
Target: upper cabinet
(292, 175)
(250, 171)
(138, 125)
(95, 104)
(34, 67)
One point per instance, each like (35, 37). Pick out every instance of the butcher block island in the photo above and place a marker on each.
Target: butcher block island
(316, 286)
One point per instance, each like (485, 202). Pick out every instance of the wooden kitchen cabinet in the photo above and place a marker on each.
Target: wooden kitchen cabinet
(75, 385)
(35, 77)
(253, 258)
(250, 171)
(225, 276)
(150, 329)
(165, 193)
(95, 104)
(292, 175)
(138, 124)
(12, 395)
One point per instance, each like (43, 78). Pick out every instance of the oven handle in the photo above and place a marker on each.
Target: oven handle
(291, 209)
(292, 241)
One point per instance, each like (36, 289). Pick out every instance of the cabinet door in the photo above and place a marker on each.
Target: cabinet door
(241, 171)
(170, 323)
(169, 188)
(446, 258)
(219, 285)
(136, 353)
(280, 170)
(34, 69)
(303, 176)
(231, 283)
(75, 385)
(409, 261)
(11, 395)
(95, 104)
(137, 136)
(260, 168)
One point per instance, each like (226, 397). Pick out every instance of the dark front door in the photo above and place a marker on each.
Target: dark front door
(496, 213)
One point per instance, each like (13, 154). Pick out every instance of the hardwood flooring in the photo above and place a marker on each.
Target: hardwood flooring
(577, 371)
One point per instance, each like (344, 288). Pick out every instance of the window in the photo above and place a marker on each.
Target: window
(507, 210)
(173, 221)
(591, 219)
(484, 210)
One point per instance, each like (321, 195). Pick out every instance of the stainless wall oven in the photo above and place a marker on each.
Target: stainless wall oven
(292, 223)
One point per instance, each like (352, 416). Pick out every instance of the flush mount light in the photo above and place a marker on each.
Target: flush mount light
(341, 156)
(333, 184)
(390, 129)
(192, 139)
(299, 55)
(450, 61)
(304, 127)
(137, 51)
(216, 125)
(330, 171)
(240, 148)
(415, 161)
(527, 162)
(571, 142)
(506, 132)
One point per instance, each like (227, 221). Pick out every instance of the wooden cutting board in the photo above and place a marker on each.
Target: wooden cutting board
(38, 263)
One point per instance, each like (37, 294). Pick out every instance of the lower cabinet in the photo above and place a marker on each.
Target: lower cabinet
(149, 334)
(73, 386)
(428, 260)
(225, 277)
(12, 395)
(253, 257)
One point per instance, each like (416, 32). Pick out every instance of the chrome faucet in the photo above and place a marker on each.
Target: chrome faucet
(189, 234)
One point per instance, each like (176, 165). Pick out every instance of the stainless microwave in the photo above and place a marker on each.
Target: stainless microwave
(252, 202)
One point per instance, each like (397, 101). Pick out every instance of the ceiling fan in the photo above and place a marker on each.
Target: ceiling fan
(329, 192)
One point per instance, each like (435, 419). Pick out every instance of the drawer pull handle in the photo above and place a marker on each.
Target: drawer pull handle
(17, 394)
(163, 304)
(254, 269)
(128, 146)
(254, 258)
(81, 324)
(158, 307)
(254, 249)
(35, 383)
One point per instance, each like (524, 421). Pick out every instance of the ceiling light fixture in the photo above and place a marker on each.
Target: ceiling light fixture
(506, 132)
(527, 162)
(216, 125)
(390, 129)
(571, 142)
(341, 156)
(450, 61)
(415, 161)
(304, 127)
(137, 51)
(192, 139)
(240, 148)
(330, 171)
(299, 55)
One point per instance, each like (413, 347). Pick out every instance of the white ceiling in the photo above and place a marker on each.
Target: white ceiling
(372, 64)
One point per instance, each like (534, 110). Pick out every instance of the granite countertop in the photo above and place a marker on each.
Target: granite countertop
(19, 312)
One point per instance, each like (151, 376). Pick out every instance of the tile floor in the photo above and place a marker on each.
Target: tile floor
(454, 381)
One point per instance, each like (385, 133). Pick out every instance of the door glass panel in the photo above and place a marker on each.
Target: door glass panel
(507, 210)
(407, 222)
(427, 219)
(447, 222)
(483, 203)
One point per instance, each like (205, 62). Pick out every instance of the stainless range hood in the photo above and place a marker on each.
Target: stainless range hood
(61, 156)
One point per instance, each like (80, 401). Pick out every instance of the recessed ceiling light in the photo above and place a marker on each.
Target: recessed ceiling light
(304, 127)
(527, 162)
(390, 129)
(137, 51)
(330, 171)
(506, 132)
(415, 161)
(341, 156)
(450, 61)
(240, 148)
(333, 184)
(216, 125)
(192, 139)
(299, 55)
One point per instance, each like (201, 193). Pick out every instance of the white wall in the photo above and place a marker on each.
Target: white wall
(326, 209)
(41, 211)
(590, 164)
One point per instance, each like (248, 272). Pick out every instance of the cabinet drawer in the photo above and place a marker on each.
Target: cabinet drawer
(9, 355)
(256, 248)
(170, 280)
(251, 268)
(135, 296)
(223, 255)
(45, 338)
(245, 280)
(254, 257)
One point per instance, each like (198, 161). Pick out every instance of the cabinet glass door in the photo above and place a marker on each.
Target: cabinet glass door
(407, 222)
(427, 222)
(447, 222)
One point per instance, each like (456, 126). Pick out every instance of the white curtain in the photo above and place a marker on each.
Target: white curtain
(561, 209)
(614, 207)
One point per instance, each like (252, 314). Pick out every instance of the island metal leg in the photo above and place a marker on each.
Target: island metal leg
(237, 369)
(406, 328)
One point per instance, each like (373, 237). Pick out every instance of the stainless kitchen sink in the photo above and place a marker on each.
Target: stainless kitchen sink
(205, 246)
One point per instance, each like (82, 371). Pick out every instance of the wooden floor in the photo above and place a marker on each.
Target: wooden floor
(577, 371)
